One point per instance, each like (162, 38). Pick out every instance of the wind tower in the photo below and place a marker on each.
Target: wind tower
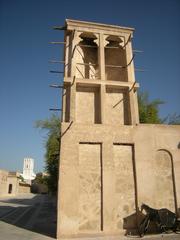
(28, 170)
(97, 182)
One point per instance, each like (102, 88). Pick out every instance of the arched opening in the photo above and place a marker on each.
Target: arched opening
(10, 189)
(87, 57)
(164, 190)
(115, 60)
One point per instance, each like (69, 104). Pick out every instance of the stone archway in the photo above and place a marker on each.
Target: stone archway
(164, 189)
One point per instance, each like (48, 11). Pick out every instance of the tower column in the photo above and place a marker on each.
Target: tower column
(101, 60)
(96, 151)
(72, 60)
(132, 94)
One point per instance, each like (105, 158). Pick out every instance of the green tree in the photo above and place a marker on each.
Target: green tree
(40, 178)
(52, 145)
(148, 110)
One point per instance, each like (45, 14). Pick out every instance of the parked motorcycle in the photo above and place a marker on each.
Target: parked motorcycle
(166, 220)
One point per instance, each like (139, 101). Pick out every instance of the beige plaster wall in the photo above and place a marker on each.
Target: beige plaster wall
(87, 105)
(117, 191)
(3, 182)
(152, 168)
(24, 189)
(108, 170)
(116, 106)
(123, 182)
(7, 178)
(163, 177)
(15, 184)
(89, 187)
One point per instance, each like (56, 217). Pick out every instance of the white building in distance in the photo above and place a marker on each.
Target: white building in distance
(28, 170)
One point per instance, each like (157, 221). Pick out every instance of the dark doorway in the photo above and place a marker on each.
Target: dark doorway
(10, 188)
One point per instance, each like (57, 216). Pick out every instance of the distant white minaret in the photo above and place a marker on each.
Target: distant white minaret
(28, 170)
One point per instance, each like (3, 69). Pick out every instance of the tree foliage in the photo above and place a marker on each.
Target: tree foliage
(40, 179)
(148, 110)
(52, 145)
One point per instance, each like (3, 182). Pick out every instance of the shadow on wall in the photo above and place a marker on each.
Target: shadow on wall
(33, 214)
(131, 224)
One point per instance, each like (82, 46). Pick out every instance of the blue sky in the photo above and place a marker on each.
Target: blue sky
(25, 33)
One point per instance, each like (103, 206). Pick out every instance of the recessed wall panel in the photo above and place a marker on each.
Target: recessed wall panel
(87, 105)
(117, 107)
(89, 187)
(124, 184)
(163, 189)
(115, 59)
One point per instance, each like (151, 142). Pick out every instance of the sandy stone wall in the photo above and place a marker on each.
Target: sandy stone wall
(103, 194)
(158, 164)
(162, 167)
(116, 106)
(24, 188)
(14, 182)
(87, 105)
(123, 182)
(89, 187)
(9, 184)
(3, 182)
